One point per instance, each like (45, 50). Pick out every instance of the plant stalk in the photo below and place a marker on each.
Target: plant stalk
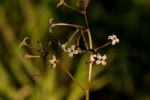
(72, 77)
(89, 66)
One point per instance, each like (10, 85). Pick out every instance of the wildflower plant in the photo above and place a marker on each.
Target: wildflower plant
(94, 55)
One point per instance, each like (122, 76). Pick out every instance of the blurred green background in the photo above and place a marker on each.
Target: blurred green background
(126, 75)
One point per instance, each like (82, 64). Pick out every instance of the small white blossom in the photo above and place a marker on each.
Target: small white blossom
(114, 39)
(72, 51)
(98, 59)
(101, 59)
(54, 61)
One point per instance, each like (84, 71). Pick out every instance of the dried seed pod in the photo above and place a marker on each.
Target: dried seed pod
(35, 77)
(27, 56)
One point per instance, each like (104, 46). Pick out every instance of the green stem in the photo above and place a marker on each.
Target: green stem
(87, 94)
(72, 77)
(89, 66)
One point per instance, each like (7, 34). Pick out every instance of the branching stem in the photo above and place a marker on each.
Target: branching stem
(89, 66)
(66, 24)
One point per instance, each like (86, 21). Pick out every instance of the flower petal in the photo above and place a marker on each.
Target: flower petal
(114, 39)
(54, 61)
(97, 62)
(70, 54)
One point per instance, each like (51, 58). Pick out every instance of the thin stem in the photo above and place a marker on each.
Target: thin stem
(35, 77)
(72, 77)
(82, 33)
(65, 4)
(78, 40)
(90, 38)
(35, 56)
(89, 66)
(40, 44)
(31, 47)
(46, 71)
(102, 46)
(87, 94)
(66, 24)
(85, 17)
(30, 56)
(84, 39)
(77, 30)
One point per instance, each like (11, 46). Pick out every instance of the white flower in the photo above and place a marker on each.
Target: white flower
(72, 51)
(54, 61)
(114, 39)
(101, 59)
(63, 46)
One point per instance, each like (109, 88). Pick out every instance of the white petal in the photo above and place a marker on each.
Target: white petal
(76, 52)
(51, 61)
(104, 57)
(53, 65)
(103, 63)
(113, 42)
(54, 58)
(117, 40)
(72, 47)
(99, 56)
(69, 50)
(70, 54)
(114, 39)
(97, 62)
(114, 36)
(110, 37)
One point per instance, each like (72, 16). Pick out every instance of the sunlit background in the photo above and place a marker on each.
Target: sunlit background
(126, 75)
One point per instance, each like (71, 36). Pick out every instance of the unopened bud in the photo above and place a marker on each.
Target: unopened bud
(35, 77)
(27, 56)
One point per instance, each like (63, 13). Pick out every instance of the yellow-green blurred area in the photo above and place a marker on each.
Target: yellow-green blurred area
(126, 75)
